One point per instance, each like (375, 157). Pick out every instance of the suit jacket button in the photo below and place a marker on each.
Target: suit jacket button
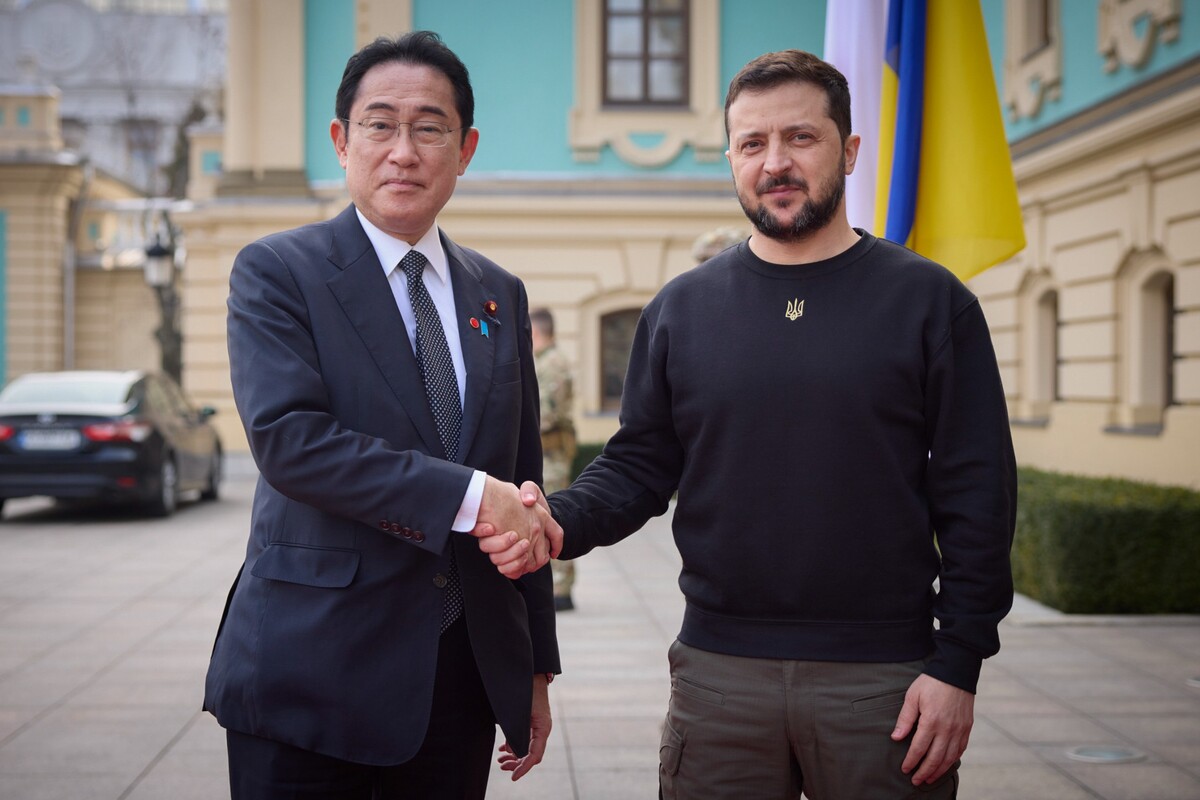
(407, 533)
(439, 581)
(385, 525)
(395, 527)
(418, 536)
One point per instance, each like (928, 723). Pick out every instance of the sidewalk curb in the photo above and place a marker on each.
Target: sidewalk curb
(1027, 612)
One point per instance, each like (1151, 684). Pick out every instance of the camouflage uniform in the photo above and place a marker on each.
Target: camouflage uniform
(558, 440)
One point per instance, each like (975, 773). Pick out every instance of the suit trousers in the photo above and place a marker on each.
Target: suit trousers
(766, 728)
(453, 762)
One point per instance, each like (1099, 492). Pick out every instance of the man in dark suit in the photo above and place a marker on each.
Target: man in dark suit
(385, 379)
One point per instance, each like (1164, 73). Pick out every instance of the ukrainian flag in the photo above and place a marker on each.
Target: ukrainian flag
(944, 183)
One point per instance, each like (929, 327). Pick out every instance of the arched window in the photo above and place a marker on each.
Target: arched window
(1045, 373)
(1148, 351)
(1156, 376)
(1040, 350)
(616, 339)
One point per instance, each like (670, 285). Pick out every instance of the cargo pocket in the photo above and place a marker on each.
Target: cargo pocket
(670, 751)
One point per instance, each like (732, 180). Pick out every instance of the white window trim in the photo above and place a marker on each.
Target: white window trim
(1031, 78)
(701, 125)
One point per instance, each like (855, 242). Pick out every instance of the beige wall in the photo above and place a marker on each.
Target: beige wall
(115, 320)
(1106, 211)
(35, 198)
(215, 232)
(582, 257)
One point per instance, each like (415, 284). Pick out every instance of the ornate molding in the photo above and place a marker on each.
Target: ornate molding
(1118, 23)
(702, 126)
(1032, 73)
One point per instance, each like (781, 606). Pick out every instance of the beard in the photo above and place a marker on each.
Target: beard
(814, 214)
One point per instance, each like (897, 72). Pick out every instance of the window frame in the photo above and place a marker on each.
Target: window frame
(645, 58)
(648, 136)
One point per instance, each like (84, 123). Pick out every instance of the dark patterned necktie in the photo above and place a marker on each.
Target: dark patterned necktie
(441, 388)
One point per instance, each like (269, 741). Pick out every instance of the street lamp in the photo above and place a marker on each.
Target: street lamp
(159, 269)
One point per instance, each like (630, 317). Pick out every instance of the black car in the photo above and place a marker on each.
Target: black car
(114, 436)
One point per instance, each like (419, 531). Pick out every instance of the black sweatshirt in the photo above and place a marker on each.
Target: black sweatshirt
(822, 423)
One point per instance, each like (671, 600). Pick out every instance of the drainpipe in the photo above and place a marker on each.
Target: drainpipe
(74, 221)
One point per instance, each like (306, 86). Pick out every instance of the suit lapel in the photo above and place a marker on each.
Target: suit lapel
(479, 351)
(363, 292)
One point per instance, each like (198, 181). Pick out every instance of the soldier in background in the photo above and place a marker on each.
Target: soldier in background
(558, 431)
(709, 244)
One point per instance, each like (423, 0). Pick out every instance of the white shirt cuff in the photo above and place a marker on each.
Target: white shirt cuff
(468, 512)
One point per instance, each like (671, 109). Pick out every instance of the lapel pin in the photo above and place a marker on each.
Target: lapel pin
(479, 326)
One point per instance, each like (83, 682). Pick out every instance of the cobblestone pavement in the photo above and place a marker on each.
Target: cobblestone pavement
(107, 619)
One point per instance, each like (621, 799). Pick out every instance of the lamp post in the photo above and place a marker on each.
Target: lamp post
(160, 276)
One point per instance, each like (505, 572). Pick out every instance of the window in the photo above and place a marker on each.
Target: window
(646, 52)
(632, 56)
(1037, 26)
(1040, 349)
(1045, 387)
(1158, 327)
(616, 340)
(1032, 56)
(1148, 348)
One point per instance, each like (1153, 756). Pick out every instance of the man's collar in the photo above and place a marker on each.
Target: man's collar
(390, 250)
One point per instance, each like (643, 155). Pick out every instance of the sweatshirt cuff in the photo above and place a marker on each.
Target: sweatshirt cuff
(954, 664)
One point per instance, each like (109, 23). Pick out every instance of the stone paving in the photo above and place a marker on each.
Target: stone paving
(106, 622)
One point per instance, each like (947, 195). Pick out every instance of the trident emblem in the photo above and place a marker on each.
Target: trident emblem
(795, 309)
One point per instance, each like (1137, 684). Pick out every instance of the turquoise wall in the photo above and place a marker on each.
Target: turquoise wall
(521, 58)
(328, 42)
(1084, 81)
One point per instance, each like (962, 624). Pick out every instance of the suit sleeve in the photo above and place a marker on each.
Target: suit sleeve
(299, 445)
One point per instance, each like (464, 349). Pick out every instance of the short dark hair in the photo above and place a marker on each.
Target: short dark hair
(415, 47)
(794, 66)
(543, 320)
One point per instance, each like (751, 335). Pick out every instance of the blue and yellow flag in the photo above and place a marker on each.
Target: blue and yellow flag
(944, 183)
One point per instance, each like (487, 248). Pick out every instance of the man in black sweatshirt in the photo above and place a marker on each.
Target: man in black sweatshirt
(829, 409)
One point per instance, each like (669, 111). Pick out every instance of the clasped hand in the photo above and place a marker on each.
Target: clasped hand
(515, 529)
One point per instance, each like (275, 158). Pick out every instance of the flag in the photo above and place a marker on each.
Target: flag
(854, 38)
(945, 185)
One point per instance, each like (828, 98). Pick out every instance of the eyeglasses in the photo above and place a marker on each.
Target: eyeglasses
(423, 134)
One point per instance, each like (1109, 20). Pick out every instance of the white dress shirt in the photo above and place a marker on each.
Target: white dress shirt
(391, 251)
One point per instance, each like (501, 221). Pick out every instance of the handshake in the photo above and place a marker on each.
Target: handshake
(515, 529)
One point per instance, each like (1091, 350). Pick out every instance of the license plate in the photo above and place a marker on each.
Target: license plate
(51, 440)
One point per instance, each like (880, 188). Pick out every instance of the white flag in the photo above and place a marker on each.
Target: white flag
(855, 35)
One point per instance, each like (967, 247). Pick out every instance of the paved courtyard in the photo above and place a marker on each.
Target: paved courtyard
(107, 619)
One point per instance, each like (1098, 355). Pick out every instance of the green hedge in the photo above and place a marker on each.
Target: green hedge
(584, 455)
(1106, 545)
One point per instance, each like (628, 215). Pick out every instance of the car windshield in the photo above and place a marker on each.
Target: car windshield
(61, 389)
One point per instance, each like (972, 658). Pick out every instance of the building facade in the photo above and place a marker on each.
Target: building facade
(95, 99)
(601, 162)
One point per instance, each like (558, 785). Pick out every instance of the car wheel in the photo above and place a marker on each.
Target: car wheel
(213, 489)
(164, 502)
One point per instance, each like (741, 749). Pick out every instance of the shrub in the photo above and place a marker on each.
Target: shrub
(585, 453)
(1107, 545)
